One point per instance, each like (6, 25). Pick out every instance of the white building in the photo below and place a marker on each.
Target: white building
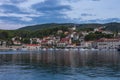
(86, 44)
(33, 47)
(107, 32)
(85, 33)
(107, 43)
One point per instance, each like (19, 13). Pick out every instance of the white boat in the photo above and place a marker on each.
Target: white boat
(75, 49)
(82, 49)
(51, 49)
(14, 49)
(44, 49)
(66, 49)
(24, 49)
(56, 49)
(93, 49)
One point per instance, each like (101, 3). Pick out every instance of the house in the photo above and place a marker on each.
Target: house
(44, 43)
(33, 46)
(105, 43)
(59, 32)
(35, 40)
(84, 33)
(17, 43)
(86, 44)
(3, 43)
(107, 32)
(64, 42)
(74, 36)
(99, 29)
(16, 40)
(72, 28)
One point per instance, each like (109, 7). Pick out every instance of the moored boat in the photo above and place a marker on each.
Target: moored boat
(118, 49)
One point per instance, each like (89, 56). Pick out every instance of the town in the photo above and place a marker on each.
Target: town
(98, 38)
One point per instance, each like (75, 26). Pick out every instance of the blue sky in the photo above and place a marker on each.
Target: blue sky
(19, 13)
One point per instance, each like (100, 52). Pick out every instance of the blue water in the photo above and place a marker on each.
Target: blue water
(60, 65)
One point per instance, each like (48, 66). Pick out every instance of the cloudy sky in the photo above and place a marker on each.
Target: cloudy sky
(18, 13)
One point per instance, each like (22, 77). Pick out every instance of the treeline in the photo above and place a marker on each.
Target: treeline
(97, 35)
(8, 34)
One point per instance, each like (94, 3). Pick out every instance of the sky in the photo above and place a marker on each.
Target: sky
(15, 14)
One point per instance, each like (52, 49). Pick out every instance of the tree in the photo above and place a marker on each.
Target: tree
(4, 35)
(97, 35)
(25, 41)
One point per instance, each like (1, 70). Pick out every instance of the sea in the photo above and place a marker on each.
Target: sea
(60, 65)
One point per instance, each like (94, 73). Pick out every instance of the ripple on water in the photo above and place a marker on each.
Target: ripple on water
(60, 66)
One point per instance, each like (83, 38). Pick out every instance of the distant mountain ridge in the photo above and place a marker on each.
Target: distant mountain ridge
(109, 26)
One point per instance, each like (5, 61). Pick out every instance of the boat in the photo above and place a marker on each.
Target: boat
(14, 49)
(118, 49)
(82, 49)
(93, 49)
(44, 49)
(66, 49)
(51, 49)
(24, 49)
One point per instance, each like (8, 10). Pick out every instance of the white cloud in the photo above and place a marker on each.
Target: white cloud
(27, 19)
(22, 17)
(18, 15)
(100, 9)
(2, 2)
(26, 6)
(10, 26)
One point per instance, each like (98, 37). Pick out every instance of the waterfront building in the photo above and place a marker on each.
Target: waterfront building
(106, 43)
(16, 40)
(86, 44)
(64, 42)
(33, 46)
(17, 43)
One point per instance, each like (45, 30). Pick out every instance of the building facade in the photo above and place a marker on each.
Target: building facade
(106, 43)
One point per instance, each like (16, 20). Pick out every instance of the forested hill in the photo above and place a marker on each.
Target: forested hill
(53, 25)
(109, 26)
(112, 26)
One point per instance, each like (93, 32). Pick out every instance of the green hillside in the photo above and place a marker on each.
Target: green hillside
(109, 26)
(53, 25)
(44, 26)
(113, 26)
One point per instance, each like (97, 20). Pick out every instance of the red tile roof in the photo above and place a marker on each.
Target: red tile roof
(32, 45)
(64, 39)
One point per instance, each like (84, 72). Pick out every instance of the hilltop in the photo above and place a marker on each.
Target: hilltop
(109, 26)
(54, 25)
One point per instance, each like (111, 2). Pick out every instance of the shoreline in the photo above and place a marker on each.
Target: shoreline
(74, 48)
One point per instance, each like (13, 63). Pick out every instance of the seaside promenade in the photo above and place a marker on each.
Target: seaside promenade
(10, 47)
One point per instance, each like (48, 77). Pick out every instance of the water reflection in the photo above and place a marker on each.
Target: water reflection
(60, 65)
(64, 58)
